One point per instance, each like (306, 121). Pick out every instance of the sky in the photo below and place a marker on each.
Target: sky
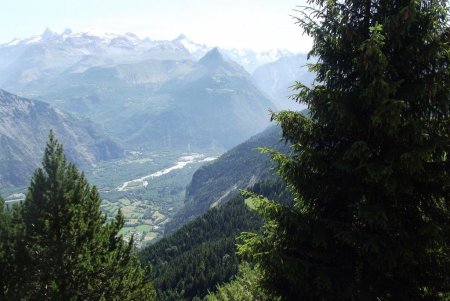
(254, 24)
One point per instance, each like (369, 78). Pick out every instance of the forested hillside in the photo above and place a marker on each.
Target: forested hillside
(202, 253)
(239, 168)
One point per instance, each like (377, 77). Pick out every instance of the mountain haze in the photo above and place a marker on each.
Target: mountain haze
(216, 104)
(165, 104)
(277, 78)
(149, 94)
(45, 57)
(24, 128)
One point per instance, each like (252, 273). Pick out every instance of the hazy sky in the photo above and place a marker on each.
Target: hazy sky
(257, 24)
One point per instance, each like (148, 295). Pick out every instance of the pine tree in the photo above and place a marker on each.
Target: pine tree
(369, 167)
(69, 251)
(243, 287)
(11, 232)
(6, 247)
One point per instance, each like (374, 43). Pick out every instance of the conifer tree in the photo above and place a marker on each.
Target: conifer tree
(6, 247)
(69, 251)
(11, 232)
(369, 167)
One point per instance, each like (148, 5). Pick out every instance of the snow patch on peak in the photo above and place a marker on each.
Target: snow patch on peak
(33, 39)
(13, 42)
(128, 46)
(195, 49)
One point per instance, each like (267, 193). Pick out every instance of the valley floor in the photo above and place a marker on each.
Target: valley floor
(148, 187)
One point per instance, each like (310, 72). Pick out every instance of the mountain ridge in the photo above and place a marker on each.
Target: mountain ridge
(220, 180)
(277, 78)
(24, 128)
(70, 49)
(212, 103)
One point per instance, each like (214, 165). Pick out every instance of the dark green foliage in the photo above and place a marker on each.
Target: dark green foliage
(65, 250)
(273, 189)
(370, 167)
(6, 248)
(11, 229)
(243, 287)
(201, 254)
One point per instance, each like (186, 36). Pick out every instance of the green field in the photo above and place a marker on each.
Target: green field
(146, 209)
(144, 228)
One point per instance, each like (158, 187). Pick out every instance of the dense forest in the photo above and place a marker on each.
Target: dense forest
(202, 253)
(359, 211)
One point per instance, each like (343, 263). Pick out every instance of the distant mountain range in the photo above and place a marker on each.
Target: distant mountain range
(148, 95)
(216, 104)
(24, 128)
(247, 58)
(49, 55)
(212, 103)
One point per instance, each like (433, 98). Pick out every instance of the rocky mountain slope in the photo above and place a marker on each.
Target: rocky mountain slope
(24, 128)
(164, 104)
(215, 105)
(239, 168)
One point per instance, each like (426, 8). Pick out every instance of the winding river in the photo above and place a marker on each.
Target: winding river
(183, 162)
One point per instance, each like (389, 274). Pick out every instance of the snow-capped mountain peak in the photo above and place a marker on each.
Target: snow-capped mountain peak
(51, 54)
(195, 49)
(76, 38)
